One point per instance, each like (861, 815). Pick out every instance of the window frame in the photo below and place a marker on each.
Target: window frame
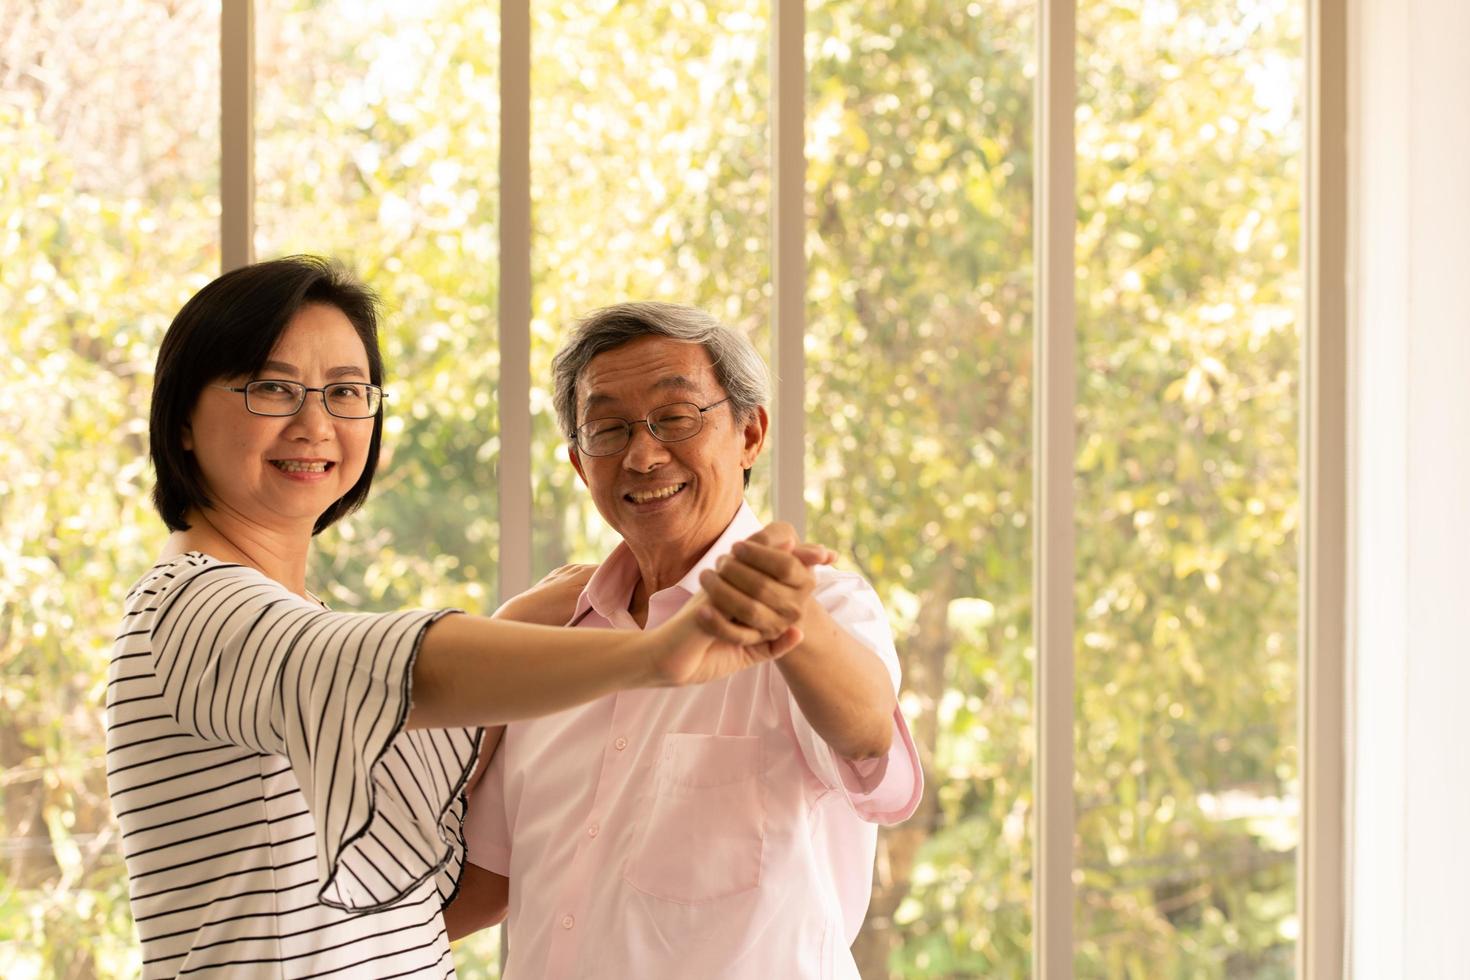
(1324, 555)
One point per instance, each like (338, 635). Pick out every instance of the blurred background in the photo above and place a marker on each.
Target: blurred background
(377, 128)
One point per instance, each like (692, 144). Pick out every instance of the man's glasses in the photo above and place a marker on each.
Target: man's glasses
(668, 423)
(346, 399)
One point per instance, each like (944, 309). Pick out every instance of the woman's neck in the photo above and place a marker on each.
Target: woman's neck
(279, 556)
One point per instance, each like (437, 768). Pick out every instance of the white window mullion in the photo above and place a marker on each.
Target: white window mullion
(788, 259)
(237, 134)
(1054, 559)
(1321, 877)
(515, 299)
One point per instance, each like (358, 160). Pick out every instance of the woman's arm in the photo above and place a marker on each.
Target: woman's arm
(550, 602)
(483, 898)
(473, 671)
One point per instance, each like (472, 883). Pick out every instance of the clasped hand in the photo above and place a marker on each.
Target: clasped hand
(762, 588)
(751, 608)
(749, 612)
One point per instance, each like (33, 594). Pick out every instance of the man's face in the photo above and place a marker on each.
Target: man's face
(668, 500)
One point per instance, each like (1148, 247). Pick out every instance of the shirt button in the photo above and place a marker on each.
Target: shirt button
(620, 744)
(567, 922)
(592, 831)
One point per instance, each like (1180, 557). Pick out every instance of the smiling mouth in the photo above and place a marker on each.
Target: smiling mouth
(300, 466)
(650, 496)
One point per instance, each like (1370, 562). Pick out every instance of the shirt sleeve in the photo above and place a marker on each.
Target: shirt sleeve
(240, 659)
(487, 831)
(885, 790)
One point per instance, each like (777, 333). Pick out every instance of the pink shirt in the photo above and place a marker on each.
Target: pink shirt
(695, 832)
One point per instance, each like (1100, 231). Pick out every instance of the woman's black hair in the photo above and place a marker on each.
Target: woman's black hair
(228, 330)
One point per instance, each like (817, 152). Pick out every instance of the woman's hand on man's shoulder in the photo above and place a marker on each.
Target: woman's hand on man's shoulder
(551, 601)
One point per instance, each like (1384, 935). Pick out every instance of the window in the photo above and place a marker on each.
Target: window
(379, 132)
(918, 433)
(109, 211)
(1189, 298)
(649, 180)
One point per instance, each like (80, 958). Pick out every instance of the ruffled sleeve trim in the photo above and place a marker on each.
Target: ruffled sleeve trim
(404, 791)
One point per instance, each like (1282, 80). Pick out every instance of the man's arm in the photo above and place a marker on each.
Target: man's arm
(483, 900)
(842, 688)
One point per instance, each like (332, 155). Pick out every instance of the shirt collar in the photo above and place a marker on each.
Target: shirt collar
(611, 587)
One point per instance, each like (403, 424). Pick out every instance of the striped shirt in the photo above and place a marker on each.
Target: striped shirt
(277, 820)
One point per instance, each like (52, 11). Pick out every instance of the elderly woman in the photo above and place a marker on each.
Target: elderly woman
(290, 781)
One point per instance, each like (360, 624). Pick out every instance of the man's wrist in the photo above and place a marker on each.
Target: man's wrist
(811, 622)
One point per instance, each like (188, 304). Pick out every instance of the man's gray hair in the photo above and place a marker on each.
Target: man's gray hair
(738, 367)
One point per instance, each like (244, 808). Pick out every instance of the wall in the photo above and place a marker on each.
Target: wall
(1410, 446)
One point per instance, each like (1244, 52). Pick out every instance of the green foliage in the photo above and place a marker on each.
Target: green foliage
(649, 180)
(378, 142)
(1189, 148)
(95, 255)
(919, 318)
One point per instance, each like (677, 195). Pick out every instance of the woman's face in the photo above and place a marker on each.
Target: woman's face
(285, 471)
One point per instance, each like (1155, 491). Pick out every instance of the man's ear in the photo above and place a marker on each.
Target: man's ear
(576, 459)
(755, 436)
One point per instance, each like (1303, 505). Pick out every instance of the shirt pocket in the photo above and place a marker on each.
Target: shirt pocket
(704, 836)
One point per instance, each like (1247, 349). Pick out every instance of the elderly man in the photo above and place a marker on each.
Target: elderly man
(726, 830)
